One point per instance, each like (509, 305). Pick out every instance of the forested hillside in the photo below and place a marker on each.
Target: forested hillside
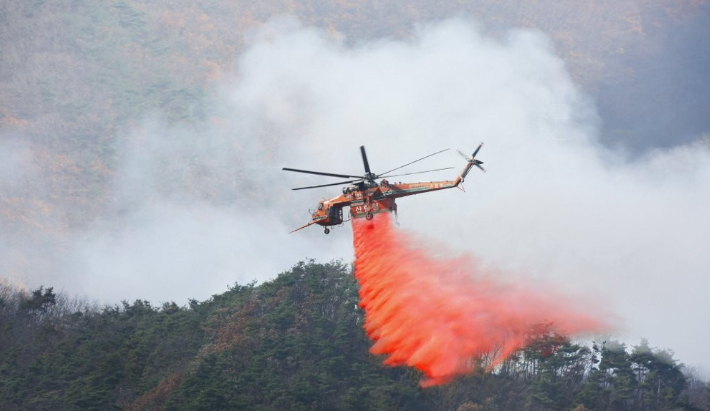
(295, 343)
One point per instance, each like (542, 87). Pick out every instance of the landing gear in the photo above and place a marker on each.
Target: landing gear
(327, 230)
(369, 215)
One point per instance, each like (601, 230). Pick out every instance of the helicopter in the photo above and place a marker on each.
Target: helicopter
(366, 196)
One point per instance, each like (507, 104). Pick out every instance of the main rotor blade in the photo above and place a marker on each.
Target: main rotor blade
(320, 173)
(413, 162)
(417, 172)
(364, 159)
(328, 185)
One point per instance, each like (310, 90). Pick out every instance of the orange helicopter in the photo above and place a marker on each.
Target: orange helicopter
(366, 197)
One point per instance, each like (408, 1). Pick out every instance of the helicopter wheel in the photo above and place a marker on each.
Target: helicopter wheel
(327, 230)
(369, 215)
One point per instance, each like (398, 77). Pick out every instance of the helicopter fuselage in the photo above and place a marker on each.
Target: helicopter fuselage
(379, 198)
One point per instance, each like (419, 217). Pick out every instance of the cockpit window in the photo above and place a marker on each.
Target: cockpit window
(320, 206)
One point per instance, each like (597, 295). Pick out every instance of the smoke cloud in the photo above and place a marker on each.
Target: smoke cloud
(190, 211)
(555, 205)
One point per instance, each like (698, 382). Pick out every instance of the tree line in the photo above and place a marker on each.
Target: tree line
(294, 343)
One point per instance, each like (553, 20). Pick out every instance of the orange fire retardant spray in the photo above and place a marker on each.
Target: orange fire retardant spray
(442, 316)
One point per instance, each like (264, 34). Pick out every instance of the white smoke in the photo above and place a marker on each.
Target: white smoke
(197, 210)
(194, 212)
(555, 204)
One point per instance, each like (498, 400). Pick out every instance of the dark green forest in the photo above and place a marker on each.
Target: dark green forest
(294, 343)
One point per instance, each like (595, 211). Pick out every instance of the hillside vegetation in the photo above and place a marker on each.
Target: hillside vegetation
(294, 343)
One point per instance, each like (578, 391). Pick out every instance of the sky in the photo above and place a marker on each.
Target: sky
(556, 206)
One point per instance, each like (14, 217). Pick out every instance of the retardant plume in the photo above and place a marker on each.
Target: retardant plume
(442, 315)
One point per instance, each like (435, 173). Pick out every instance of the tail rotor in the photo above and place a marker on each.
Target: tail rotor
(472, 158)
